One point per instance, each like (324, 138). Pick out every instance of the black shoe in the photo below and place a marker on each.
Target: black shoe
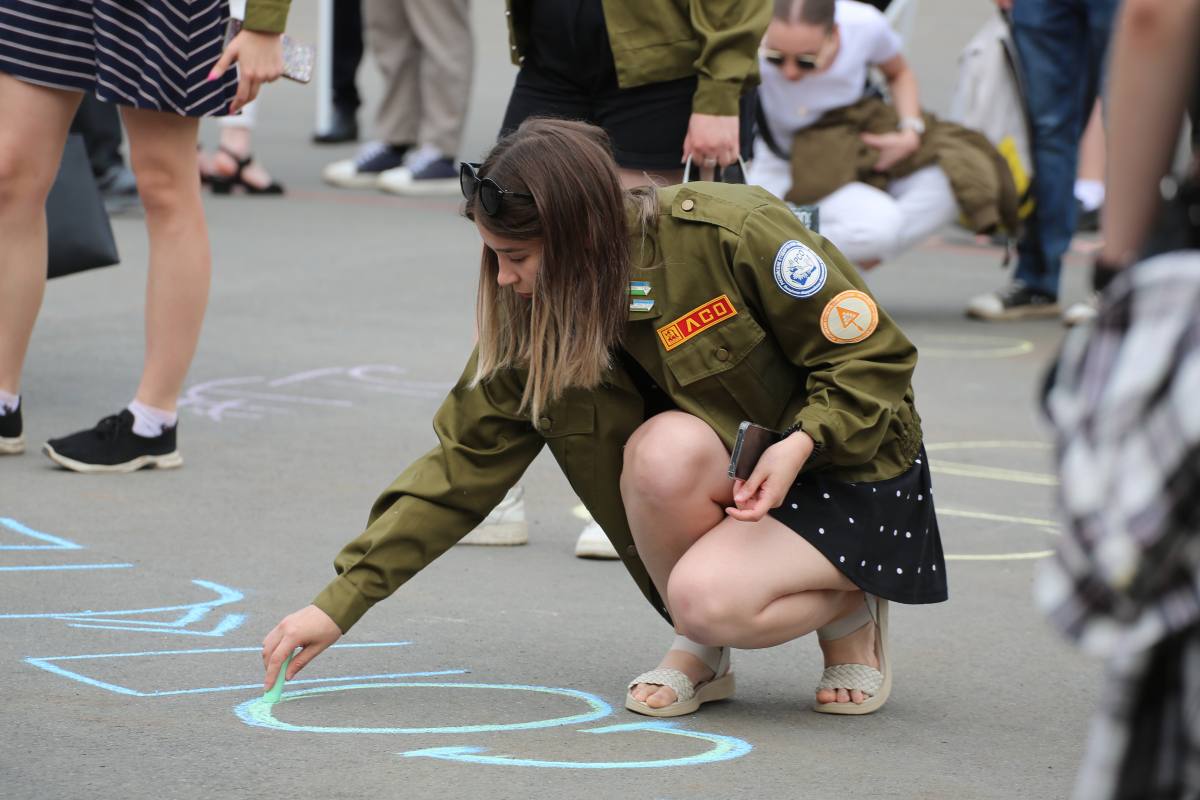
(112, 446)
(12, 432)
(1087, 221)
(343, 128)
(1016, 301)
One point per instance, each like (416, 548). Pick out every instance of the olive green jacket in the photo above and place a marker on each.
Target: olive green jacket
(268, 16)
(769, 362)
(663, 40)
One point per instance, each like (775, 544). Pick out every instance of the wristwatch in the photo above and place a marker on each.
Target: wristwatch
(915, 124)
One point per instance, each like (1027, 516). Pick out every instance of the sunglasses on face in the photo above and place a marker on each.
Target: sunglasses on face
(491, 195)
(806, 62)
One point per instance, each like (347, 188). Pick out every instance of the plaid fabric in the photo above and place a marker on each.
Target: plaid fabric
(1125, 581)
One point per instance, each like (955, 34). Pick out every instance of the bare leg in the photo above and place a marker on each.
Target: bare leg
(163, 152)
(239, 141)
(34, 121)
(725, 582)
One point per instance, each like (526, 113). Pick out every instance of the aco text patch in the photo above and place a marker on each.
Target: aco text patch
(696, 321)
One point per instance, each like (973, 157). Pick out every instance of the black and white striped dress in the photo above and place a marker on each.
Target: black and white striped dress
(151, 54)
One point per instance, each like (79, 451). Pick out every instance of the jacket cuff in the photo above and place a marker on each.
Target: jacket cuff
(812, 421)
(342, 601)
(266, 16)
(716, 97)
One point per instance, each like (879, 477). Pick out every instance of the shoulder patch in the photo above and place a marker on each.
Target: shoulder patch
(698, 320)
(849, 317)
(799, 271)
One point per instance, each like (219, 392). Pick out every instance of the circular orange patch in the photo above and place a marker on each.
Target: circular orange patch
(850, 317)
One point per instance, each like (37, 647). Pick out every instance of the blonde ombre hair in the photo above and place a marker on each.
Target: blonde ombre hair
(565, 334)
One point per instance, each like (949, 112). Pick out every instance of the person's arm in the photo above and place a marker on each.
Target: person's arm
(256, 50)
(729, 32)
(1153, 66)
(902, 84)
(854, 388)
(484, 445)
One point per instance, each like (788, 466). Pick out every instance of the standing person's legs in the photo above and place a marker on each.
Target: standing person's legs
(100, 125)
(163, 150)
(443, 28)
(863, 222)
(34, 121)
(926, 203)
(391, 40)
(1052, 40)
(726, 583)
(347, 54)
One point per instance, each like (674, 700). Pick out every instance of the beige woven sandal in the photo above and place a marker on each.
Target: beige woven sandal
(688, 697)
(876, 684)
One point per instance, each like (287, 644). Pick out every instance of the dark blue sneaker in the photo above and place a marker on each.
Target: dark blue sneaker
(363, 171)
(112, 446)
(12, 432)
(426, 173)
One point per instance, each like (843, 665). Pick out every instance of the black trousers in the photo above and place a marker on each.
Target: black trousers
(347, 54)
(100, 124)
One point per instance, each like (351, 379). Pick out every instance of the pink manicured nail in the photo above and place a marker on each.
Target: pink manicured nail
(212, 76)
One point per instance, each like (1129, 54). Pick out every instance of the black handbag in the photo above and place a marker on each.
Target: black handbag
(80, 236)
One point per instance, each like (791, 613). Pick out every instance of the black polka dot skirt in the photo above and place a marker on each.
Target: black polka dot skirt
(882, 535)
(151, 55)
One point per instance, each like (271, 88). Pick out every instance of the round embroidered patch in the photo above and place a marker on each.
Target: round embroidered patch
(798, 270)
(850, 317)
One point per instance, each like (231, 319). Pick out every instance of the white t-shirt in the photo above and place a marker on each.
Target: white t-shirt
(867, 40)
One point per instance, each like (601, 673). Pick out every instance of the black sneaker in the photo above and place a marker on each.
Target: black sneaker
(363, 171)
(1016, 301)
(112, 446)
(12, 432)
(1087, 221)
(427, 174)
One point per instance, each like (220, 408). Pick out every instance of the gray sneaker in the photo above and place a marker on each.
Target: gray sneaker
(1016, 301)
(1082, 313)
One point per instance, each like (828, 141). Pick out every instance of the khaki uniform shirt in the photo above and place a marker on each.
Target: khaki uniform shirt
(267, 16)
(663, 40)
(754, 318)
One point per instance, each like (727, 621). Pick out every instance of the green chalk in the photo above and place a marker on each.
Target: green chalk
(276, 692)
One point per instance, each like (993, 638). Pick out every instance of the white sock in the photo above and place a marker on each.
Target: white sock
(1090, 194)
(9, 402)
(149, 421)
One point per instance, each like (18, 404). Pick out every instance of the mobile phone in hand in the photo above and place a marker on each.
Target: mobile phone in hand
(297, 58)
(752, 441)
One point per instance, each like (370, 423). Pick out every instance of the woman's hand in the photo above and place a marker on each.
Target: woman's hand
(893, 147)
(774, 474)
(259, 57)
(711, 140)
(310, 628)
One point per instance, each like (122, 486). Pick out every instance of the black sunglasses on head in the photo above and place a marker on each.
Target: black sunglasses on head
(804, 61)
(491, 194)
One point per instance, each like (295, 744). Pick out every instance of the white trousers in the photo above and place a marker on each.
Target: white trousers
(869, 224)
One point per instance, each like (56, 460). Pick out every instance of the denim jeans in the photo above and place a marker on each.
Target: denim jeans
(1062, 45)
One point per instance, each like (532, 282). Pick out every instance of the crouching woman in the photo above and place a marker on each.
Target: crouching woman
(633, 332)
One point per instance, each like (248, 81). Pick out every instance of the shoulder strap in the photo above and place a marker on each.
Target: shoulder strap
(764, 130)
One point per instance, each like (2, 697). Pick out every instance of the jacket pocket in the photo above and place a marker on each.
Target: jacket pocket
(716, 350)
(571, 415)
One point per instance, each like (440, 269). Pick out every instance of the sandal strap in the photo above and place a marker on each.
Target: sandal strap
(852, 676)
(241, 162)
(672, 678)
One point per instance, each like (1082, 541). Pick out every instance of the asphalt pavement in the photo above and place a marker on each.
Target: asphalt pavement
(132, 607)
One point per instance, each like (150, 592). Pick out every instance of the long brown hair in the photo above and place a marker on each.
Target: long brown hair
(565, 334)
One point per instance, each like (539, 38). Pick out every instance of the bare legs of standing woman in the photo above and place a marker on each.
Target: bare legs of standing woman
(33, 126)
(725, 582)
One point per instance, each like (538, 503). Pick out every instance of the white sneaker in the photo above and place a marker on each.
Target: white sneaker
(426, 172)
(505, 526)
(1081, 313)
(593, 543)
(363, 171)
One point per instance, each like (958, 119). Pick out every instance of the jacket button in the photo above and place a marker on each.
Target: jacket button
(688, 205)
(545, 423)
(631, 551)
(722, 354)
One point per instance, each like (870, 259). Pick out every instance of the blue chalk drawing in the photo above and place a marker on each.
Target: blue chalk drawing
(49, 664)
(262, 714)
(191, 613)
(53, 542)
(725, 748)
(48, 567)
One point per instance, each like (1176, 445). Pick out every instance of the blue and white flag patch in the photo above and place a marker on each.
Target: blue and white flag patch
(799, 271)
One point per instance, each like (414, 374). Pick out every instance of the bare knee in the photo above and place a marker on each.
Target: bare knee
(703, 607)
(24, 183)
(669, 459)
(166, 188)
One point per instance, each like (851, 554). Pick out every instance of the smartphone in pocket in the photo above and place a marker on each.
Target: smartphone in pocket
(752, 441)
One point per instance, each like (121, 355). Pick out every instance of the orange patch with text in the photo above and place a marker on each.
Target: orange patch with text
(696, 321)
